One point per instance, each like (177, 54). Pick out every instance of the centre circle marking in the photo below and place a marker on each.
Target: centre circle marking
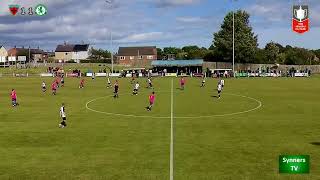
(177, 117)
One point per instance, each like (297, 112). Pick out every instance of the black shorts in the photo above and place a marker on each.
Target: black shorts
(64, 118)
(219, 91)
(63, 123)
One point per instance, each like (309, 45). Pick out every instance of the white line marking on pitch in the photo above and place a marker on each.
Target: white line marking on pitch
(177, 117)
(171, 137)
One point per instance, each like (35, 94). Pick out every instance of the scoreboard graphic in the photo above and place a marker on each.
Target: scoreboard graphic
(39, 10)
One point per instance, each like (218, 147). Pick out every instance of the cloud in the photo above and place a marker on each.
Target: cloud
(174, 3)
(268, 14)
(272, 22)
(87, 21)
(74, 22)
(134, 22)
(191, 19)
(145, 37)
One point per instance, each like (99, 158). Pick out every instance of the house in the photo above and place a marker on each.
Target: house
(38, 55)
(136, 56)
(3, 54)
(35, 54)
(67, 52)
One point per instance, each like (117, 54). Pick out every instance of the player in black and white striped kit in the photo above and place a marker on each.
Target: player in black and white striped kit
(108, 83)
(63, 117)
(136, 88)
(219, 90)
(203, 83)
(44, 86)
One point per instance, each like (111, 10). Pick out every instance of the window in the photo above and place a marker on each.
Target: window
(131, 57)
(149, 57)
(140, 57)
(122, 58)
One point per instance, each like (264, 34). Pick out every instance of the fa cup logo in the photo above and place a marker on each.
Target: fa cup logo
(300, 18)
(300, 13)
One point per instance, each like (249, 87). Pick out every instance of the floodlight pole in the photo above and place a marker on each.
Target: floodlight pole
(233, 37)
(111, 38)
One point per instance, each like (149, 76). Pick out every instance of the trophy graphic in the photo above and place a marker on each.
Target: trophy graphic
(300, 18)
(300, 13)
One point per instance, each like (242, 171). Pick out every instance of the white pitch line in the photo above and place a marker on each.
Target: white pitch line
(177, 117)
(171, 137)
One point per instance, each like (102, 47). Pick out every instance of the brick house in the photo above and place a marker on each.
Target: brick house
(136, 56)
(35, 54)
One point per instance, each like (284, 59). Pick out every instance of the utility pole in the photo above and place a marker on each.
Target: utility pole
(29, 55)
(111, 38)
(233, 32)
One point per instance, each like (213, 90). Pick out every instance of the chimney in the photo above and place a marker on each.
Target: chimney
(65, 43)
(38, 47)
(22, 47)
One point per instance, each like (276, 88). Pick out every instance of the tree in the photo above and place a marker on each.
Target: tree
(171, 50)
(192, 52)
(299, 56)
(99, 53)
(212, 47)
(281, 48)
(272, 52)
(317, 53)
(210, 56)
(160, 53)
(261, 57)
(246, 43)
(281, 58)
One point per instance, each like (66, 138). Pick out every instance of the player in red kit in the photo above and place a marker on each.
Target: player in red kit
(54, 88)
(152, 98)
(182, 83)
(81, 83)
(57, 81)
(13, 96)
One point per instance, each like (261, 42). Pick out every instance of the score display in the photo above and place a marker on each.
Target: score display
(39, 10)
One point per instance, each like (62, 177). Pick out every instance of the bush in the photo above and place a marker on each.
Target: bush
(71, 61)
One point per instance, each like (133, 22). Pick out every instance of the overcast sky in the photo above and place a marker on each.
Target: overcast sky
(150, 22)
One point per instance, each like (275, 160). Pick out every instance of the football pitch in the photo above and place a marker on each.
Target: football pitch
(189, 134)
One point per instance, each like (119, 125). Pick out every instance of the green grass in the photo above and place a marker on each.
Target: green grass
(100, 146)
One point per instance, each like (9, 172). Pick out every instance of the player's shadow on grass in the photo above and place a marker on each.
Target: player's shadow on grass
(215, 96)
(315, 143)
